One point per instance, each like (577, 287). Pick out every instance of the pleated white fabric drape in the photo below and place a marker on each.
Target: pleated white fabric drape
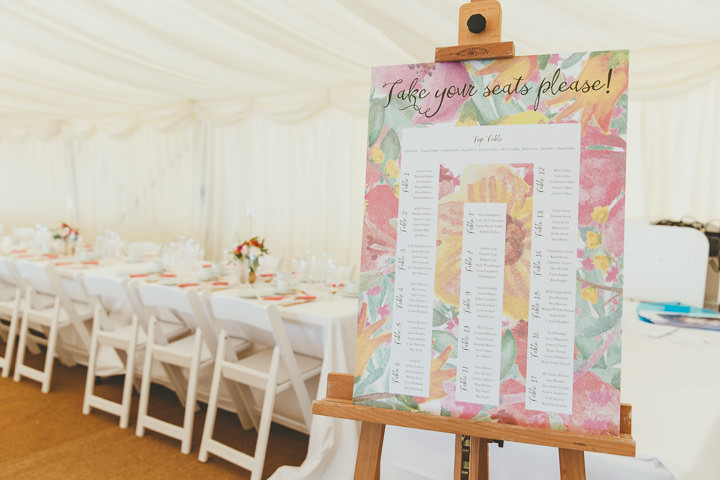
(178, 117)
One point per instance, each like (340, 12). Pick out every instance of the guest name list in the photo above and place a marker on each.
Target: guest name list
(553, 152)
(414, 278)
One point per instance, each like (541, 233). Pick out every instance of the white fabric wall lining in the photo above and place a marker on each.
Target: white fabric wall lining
(165, 115)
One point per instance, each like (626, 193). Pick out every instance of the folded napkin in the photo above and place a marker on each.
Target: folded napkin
(60, 264)
(21, 250)
(217, 284)
(183, 285)
(90, 262)
(273, 298)
(138, 275)
(51, 255)
(305, 297)
(168, 275)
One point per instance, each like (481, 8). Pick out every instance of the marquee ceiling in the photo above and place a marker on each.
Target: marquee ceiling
(88, 59)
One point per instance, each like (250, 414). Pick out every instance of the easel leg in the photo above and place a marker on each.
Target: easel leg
(572, 464)
(457, 471)
(479, 462)
(367, 465)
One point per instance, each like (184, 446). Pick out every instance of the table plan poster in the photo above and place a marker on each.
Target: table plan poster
(492, 252)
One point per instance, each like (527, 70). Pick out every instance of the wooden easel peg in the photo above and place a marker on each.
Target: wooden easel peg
(479, 34)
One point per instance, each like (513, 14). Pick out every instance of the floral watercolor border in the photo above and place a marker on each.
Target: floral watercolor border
(500, 98)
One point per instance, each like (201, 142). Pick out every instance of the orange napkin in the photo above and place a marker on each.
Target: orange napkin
(138, 275)
(272, 298)
(306, 297)
(183, 285)
(168, 275)
(60, 264)
(90, 262)
(217, 284)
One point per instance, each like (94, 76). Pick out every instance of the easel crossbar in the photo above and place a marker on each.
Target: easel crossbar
(344, 408)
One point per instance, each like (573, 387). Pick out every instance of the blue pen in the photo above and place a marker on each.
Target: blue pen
(678, 308)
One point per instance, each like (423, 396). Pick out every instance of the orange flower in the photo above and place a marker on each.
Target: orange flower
(595, 103)
(514, 72)
(366, 344)
(494, 183)
(438, 376)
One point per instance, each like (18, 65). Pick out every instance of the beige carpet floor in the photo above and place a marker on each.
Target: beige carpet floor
(46, 436)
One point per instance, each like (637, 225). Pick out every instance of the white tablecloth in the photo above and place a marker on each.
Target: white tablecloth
(323, 328)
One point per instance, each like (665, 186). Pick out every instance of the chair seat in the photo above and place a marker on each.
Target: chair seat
(184, 346)
(123, 335)
(242, 369)
(172, 329)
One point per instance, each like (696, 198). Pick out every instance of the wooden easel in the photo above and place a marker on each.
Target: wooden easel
(479, 35)
(572, 446)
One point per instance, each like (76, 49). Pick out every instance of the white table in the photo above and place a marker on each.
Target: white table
(324, 328)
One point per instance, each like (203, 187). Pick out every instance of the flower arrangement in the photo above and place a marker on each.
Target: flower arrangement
(251, 250)
(66, 232)
(69, 236)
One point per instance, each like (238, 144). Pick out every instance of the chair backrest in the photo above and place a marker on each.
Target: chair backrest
(240, 318)
(665, 264)
(9, 283)
(8, 275)
(257, 323)
(111, 294)
(36, 276)
(183, 306)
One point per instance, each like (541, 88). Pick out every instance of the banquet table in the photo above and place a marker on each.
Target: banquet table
(324, 328)
(669, 378)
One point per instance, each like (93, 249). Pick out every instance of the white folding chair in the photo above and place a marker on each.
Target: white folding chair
(186, 353)
(273, 369)
(116, 328)
(45, 319)
(10, 297)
